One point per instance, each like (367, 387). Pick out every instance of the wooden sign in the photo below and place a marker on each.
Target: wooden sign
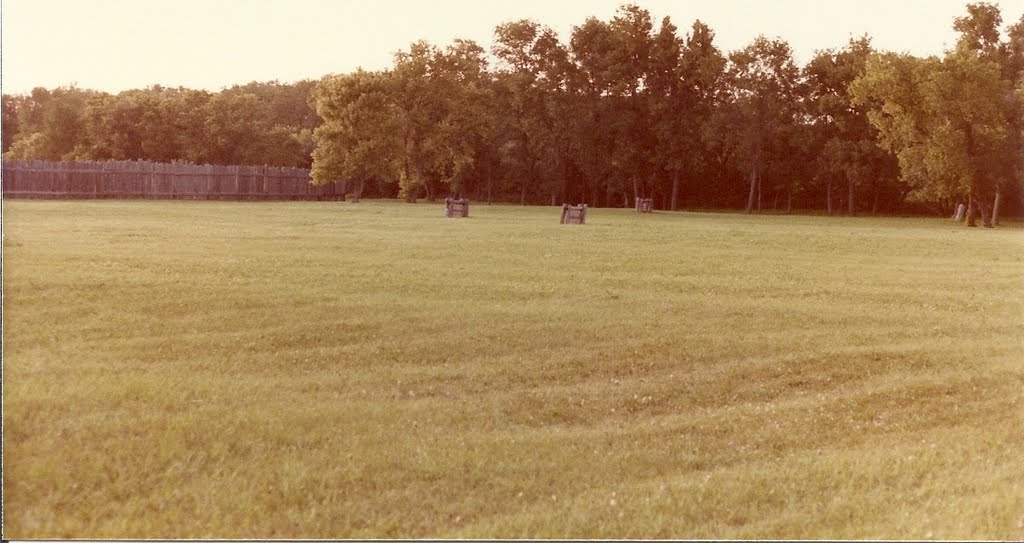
(574, 214)
(456, 207)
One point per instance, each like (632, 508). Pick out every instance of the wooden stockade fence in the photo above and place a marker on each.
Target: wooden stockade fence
(176, 180)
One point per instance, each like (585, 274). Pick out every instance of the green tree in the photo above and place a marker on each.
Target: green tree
(461, 77)
(9, 123)
(667, 104)
(421, 124)
(51, 124)
(945, 122)
(287, 104)
(592, 142)
(133, 125)
(766, 86)
(848, 150)
(631, 113)
(950, 121)
(234, 126)
(190, 110)
(685, 85)
(357, 139)
(530, 81)
(979, 33)
(290, 119)
(1010, 56)
(419, 109)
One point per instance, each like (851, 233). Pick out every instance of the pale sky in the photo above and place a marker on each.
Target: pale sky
(114, 45)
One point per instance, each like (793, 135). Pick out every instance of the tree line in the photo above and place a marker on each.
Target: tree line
(625, 108)
(257, 123)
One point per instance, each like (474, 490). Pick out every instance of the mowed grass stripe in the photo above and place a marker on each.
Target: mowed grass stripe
(203, 369)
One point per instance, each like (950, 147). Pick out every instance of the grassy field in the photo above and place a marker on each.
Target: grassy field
(325, 370)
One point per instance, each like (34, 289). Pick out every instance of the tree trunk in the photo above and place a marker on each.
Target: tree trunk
(358, 193)
(986, 216)
(775, 200)
(789, 201)
(753, 189)
(410, 195)
(430, 191)
(675, 189)
(978, 203)
(874, 204)
(958, 215)
(828, 197)
(995, 207)
(760, 183)
(849, 200)
(490, 181)
(651, 191)
(522, 195)
(971, 220)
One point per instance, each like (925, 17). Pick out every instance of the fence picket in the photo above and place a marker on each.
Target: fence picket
(144, 179)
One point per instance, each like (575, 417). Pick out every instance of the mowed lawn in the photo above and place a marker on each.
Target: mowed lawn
(329, 370)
